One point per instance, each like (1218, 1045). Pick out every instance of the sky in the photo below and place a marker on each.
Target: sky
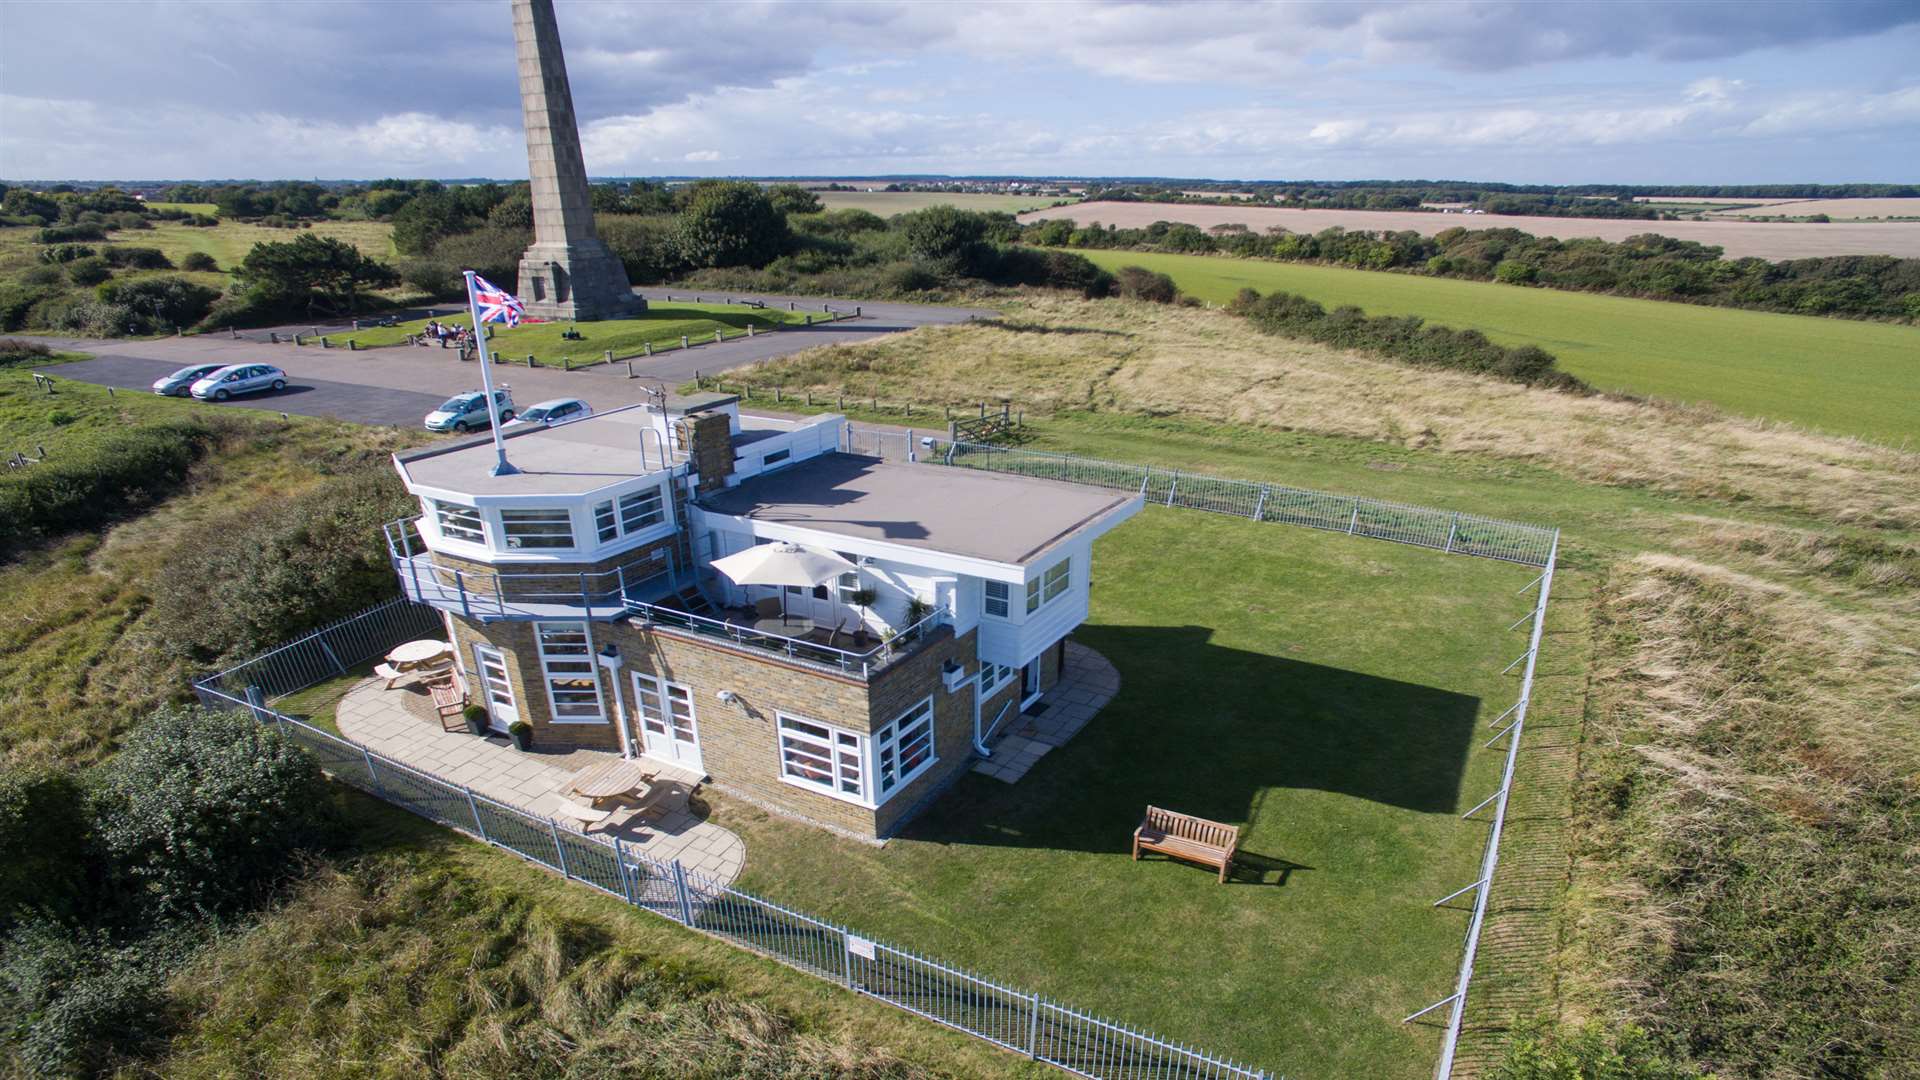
(1574, 92)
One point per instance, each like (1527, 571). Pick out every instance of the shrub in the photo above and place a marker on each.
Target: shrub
(14, 351)
(90, 270)
(241, 583)
(911, 277)
(200, 262)
(1512, 272)
(96, 482)
(42, 276)
(72, 1001)
(1589, 1052)
(730, 223)
(648, 247)
(947, 237)
(493, 253)
(161, 303)
(137, 258)
(1139, 283)
(434, 277)
(65, 253)
(45, 831)
(67, 234)
(200, 812)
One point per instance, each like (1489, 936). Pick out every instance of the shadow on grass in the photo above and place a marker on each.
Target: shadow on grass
(1219, 732)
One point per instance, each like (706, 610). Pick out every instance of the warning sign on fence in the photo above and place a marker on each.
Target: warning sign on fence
(860, 947)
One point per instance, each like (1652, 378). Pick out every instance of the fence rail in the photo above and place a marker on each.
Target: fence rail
(1442, 530)
(1015, 1020)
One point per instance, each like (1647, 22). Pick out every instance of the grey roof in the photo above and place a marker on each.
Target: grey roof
(994, 516)
(565, 459)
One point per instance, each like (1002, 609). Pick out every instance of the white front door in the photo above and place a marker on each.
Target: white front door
(1030, 683)
(667, 725)
(496, 689)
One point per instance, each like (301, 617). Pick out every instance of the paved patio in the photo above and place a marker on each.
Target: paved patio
(1087, 682)
(396, 724)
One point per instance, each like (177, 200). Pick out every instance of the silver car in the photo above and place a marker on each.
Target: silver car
(239, 379)
(180, 382)
(548, 413)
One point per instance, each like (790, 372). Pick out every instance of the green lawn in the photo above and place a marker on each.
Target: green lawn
(889, 203)
(661, 324)
(1834, 375)
(1327, 693)
(206, 208)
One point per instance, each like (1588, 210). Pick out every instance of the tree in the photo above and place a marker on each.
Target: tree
(952, 239)
(730, 223)
(794, 199)
(425, 220)
(163, 303)
(20, 202)
(312, 272)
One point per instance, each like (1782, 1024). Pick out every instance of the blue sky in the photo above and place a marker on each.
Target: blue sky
(1626, 91)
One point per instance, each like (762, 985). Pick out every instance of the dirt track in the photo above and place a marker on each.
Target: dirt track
(1767, 240)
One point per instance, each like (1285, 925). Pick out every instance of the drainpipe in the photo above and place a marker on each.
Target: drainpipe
(979, 745)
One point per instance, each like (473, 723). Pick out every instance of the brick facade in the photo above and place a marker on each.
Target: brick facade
(708, 438)
(738, 741)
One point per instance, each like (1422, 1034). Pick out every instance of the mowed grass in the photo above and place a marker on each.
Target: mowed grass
(228, 242)
(661, 325)
(1326, 693)
(889, 203)
(1837, 376)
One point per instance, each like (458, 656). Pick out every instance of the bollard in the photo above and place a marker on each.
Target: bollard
(683, 341)
(297, 341)
(566, 363)
(315, 333)
(776, 394)
(232, 333)
(609, 356)
(749, 329)
(109, 391)
(629, 369)
(717, 339)
(856, 311)
(824, 307)
(809, 399)
(649, 347)
(809, 320)
(275, 336)
(840, 403)
(177, 332)
(325, 344)
(789, 305)
(356, 324)
(529, 359)
(352, 345)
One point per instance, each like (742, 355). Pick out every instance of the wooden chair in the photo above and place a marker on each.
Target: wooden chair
(1183, 836)
(449, 702)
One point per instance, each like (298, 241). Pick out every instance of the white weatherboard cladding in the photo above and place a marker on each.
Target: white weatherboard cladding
(1021, 636)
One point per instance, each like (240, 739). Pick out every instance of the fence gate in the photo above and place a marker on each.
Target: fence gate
(893, 447)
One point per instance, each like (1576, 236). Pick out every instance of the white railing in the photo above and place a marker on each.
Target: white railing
(862, 663)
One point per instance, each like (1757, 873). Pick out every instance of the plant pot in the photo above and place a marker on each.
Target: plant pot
(477, 721)
(522, 737)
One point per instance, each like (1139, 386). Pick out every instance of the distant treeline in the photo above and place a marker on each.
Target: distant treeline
(1582, 200)
(1653, 267)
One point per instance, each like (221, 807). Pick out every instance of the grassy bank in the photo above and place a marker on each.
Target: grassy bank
(1833, 375)
(662, 325)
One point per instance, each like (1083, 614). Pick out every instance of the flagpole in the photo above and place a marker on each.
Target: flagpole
(503, 467)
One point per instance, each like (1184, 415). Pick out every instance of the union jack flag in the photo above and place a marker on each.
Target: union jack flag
(496, 304)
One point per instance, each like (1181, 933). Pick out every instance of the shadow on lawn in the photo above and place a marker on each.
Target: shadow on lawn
(1218, 732)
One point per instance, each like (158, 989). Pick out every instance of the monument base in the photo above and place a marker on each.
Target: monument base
(580, 282)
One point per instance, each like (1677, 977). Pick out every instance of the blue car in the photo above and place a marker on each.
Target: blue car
(180, 383)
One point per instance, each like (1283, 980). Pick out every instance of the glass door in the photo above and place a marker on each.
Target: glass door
(667, 725)
(496, 689)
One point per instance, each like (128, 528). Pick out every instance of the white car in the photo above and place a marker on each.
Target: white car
(557, 411)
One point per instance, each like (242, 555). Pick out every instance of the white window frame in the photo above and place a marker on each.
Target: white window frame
(662, 707)
(552, 515)
(1054, 582)
(658, 514)
(569, 671)
(992, 677)
(988, 600)
(840, 744)
(443, 509)
(606, 522)
(888, 750)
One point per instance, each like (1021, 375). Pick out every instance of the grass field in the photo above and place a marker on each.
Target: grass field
(228, 242)
(661, 324)
(889, 203)
(206, 208)
(1833, 375)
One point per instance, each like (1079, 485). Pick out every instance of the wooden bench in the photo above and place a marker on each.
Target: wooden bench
(1183, 836)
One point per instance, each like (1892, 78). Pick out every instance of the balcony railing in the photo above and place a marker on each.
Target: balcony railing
(862, 664)
(489, 594)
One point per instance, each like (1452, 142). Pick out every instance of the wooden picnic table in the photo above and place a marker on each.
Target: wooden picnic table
(421, 653)
(616, 776)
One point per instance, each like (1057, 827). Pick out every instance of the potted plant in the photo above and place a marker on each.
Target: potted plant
(522, 733)
(476, 719)
(917, 609)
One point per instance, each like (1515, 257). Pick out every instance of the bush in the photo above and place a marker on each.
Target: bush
(161, 303)
(1589, 1052)
(200, 262)
(242, 583)
(493, 253)
(14, 351)
(65, 253)
(72, 1001)
(911, 277)
(44, 832)
(137, 258)
(1511, 272)
(90, 270)
(648, 247)
(434, 277)
(93, 483)
(1139, 283)
(67, 234)
(730, 223)
(201, 812)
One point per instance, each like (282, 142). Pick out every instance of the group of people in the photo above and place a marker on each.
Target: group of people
(447, 334)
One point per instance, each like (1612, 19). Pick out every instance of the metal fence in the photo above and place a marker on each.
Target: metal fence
(1442, 530)
(1510, 725)
(1016, 1020)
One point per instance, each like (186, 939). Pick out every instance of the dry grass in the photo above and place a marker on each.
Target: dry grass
(1766, 240)
(1050, 355)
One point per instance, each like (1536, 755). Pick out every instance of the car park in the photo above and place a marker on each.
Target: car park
(465, 412)
(180, 383)
(236, 379)
(556, 411)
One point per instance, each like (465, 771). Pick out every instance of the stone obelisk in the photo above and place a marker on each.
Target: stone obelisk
(567, 273)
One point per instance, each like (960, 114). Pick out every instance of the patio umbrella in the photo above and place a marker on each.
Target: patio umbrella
(782, 564)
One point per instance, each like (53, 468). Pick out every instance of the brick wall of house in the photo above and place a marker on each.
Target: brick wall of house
(1050, 661)
(516, 643)
(708, 438)
(900, 687)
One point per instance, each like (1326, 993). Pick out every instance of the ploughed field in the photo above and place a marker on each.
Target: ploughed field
(1834, 375)
(1766, 240)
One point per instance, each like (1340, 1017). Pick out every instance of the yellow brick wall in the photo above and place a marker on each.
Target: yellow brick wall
(515, 641)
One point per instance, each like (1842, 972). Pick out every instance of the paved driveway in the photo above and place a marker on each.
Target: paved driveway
(401, 384)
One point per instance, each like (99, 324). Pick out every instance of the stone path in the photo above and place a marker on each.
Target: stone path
(1086, 684)
(381, 720)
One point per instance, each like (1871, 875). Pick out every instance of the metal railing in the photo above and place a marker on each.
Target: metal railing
(518, 594)
(862, 664)
(330, 651)
(1442, 530)
(1016, 1020)
(1510, 725)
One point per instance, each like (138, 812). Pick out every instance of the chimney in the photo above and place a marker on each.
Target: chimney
(709, 442)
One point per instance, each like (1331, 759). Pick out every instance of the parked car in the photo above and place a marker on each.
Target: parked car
(180, 383)
(464, 412)
(557, 411)
(225, 382)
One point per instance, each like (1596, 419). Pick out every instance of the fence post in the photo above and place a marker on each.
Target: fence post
(378, 788)
(1260, 508)
(478, 825)
(1354, 521)
(680, 885)
(846, 959)
(1173, 487)
(338, 667)
(626, 878)
(1033, 1030)
(559, 851)
(1452, 528)
(256, 703)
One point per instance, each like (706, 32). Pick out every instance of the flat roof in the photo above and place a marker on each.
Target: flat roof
(999, 517)
(565, 459)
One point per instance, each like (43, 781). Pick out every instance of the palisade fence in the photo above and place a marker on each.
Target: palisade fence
(1016, 1020)
(1442, 530)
